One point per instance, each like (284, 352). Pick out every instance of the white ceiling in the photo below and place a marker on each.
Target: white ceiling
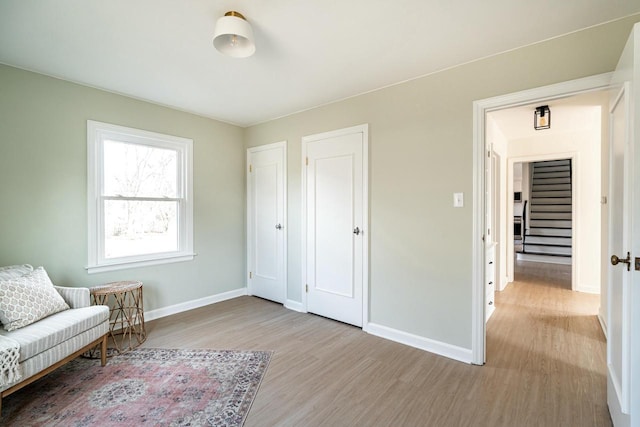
(309, 52)
(569, 114)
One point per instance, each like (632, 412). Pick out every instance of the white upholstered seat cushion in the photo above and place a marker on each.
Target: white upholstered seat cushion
(57, 328)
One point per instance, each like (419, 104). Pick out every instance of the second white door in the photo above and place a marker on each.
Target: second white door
(335, 223)
(266, 232)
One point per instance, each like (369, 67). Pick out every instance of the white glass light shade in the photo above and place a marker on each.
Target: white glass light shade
(234, 37)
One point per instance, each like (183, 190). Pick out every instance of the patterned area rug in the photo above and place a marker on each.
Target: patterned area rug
(154, 387)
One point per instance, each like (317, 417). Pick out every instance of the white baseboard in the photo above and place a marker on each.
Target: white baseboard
(443, 349)
(588, 289)
(190, 305)
(603, 325)
(294, 305)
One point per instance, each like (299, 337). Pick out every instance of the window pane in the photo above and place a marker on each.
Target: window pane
(133, 170)
(140, 227)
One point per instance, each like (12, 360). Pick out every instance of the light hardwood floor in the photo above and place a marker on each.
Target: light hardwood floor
(545, 367)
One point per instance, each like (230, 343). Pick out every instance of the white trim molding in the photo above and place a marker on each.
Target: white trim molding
(294, 305)
(432, 346)
(480, 109)
(196, 303)
(603, 325)
(99, 135)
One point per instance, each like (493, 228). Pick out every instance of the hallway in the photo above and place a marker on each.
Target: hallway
(549, 339)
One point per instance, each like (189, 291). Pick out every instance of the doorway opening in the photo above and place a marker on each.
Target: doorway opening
(543, 217)
(552, 227)
(545, 226)
(544, 221)
(504, 128)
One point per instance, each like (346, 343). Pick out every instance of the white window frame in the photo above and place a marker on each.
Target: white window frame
(97, 133)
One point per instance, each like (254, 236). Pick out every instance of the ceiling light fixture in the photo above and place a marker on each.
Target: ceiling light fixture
(234, 36)
(542, 118)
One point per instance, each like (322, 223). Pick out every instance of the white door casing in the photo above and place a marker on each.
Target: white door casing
(480, 110)
(266, 221)
(335, 224)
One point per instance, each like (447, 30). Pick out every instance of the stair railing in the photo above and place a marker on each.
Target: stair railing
(523, 228)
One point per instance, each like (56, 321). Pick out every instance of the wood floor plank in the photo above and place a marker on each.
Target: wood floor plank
(545, 363)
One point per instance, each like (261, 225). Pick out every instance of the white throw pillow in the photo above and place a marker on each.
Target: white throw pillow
(13, 271)
(27, 299)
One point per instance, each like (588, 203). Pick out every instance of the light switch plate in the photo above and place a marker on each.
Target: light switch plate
(458, 200)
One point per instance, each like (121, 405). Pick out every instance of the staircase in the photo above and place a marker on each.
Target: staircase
(547, 236)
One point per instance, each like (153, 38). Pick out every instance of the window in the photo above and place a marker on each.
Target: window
(140, 200)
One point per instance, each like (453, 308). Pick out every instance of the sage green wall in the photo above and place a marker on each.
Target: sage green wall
(43, 186)
(421, 152)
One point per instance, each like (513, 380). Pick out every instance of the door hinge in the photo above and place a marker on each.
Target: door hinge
(488, 153)
(250, 275)
(306, 288)
(307, 161)
(250, 168)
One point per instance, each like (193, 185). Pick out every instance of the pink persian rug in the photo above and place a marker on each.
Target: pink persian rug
(154, 387)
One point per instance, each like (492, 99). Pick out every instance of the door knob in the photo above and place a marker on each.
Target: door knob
(356, 231)
(615, 260)
(278, 227)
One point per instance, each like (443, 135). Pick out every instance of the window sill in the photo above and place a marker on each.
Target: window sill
(122, 265)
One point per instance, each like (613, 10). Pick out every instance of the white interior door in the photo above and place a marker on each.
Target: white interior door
(266, 231)
(335, 224)
(623, 314)
(617, 347)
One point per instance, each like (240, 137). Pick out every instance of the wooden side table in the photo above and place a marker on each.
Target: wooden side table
(126, 321)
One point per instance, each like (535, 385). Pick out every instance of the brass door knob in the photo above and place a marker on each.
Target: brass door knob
(615, 260)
